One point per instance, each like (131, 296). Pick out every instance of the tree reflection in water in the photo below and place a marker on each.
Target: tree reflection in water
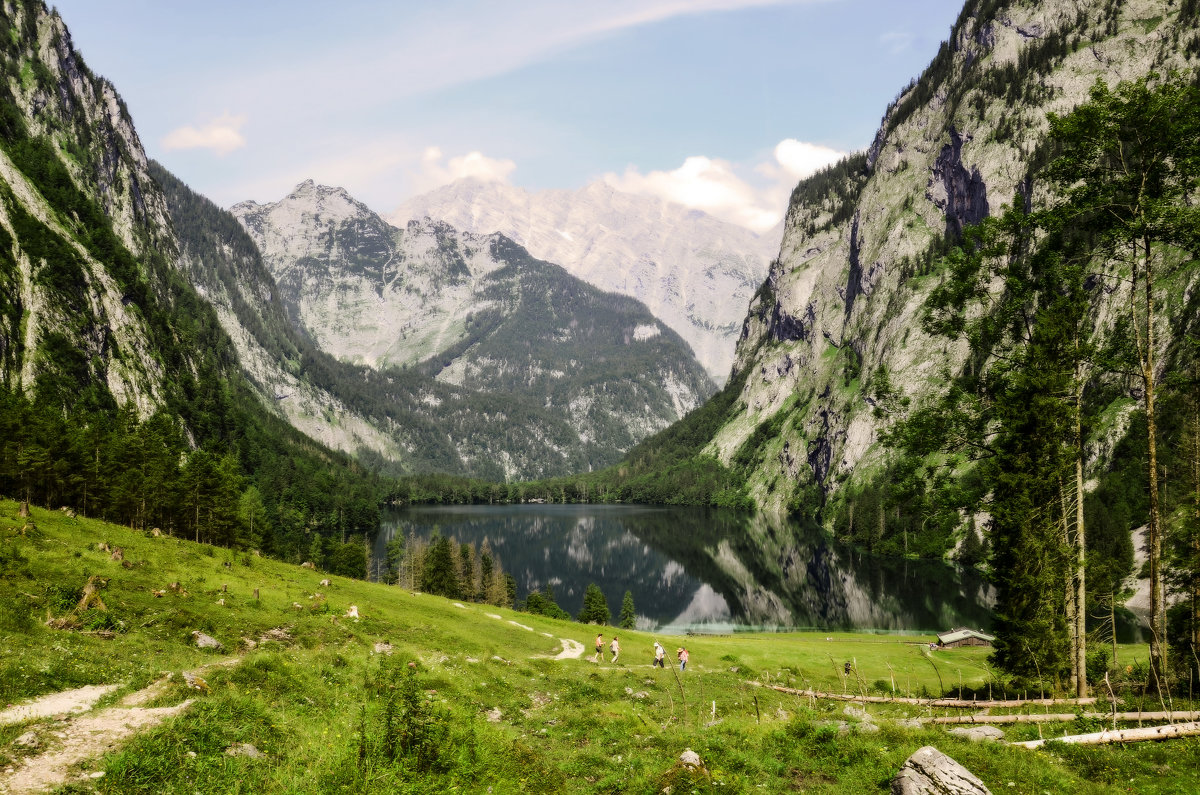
(695, 568)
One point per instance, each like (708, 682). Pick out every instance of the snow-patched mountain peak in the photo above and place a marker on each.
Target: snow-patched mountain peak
(695, 272)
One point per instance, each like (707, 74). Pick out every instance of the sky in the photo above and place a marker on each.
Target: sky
(722, 105)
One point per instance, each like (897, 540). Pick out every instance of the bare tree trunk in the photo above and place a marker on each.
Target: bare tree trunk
(1069, 603)
(1123, 735)
(1158, 611)
(1080, 649)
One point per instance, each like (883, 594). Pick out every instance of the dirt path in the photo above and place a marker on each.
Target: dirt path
(85, 736)
(572, 650)
(68, 701)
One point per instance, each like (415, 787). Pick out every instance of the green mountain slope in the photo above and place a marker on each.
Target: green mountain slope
(120, 394)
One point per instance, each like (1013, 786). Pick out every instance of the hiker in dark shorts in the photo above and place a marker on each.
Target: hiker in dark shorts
(599, 646)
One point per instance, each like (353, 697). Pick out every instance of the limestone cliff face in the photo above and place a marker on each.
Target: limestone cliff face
(842, 300)
(87, 238)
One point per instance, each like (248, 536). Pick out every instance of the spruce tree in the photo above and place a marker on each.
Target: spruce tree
(628, 618)
(595, 606)
(438, 575)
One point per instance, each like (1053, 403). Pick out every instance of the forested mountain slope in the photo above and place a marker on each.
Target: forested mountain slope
(838, 319)
(120, 394)
(492, 363)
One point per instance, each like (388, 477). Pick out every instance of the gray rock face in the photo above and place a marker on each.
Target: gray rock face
(930, 772)
(843, 299)
(694, 272)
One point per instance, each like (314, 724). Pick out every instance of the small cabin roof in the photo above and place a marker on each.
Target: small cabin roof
(962, 633)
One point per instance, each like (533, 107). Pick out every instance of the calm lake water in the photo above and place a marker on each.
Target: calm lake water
(705, 570)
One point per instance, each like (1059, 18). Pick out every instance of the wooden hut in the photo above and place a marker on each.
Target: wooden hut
(961, 636)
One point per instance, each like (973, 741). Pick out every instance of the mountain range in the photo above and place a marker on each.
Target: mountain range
(694, 272)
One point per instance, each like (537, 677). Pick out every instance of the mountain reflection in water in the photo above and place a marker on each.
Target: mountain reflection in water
(703, 569)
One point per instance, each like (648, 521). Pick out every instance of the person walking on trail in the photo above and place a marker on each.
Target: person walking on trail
(659, 653)
(616, 648)
(599, 647)
(683, 658)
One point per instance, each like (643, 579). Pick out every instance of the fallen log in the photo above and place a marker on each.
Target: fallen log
(951, 703)
(1122, 735)
(1059, 717)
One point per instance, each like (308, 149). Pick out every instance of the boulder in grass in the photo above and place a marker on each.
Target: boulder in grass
(244, 749)
(930, 772)
(206, 641)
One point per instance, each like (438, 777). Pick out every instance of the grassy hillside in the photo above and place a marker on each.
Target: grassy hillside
(483, 703)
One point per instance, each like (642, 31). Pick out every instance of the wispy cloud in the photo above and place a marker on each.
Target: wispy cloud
(718, 188)
(897, 41)
(222, 135)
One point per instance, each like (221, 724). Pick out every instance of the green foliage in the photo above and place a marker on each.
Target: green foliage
(595, 606)
(438, 575)
(543, 604)
(628, 618)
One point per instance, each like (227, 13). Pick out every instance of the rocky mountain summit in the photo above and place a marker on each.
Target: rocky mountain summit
(695, 272)
(505, 354)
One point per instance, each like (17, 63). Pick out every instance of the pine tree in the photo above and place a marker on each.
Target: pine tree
(595, 606)
(438, 575)
(628, 618)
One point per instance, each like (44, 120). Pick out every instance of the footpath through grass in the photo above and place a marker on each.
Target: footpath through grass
(421, 694)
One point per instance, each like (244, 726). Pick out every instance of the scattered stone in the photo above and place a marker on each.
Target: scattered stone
(279, 634)
(24, 510)
(641, 694)
(979, 734)
(244, 749)
(206, 641)
(459, 604)
(97, 774)
(733, 669)
(297, 606)
(930, 772)
(494, 715)
(382, 648)
(324, 583)
(156, 533)
(102, 547)
(195, 681)
(352, 612)
(493, 615)
(249, 644)
(472, 660)
(308, 564)
(118, 554)
(221, 602)
(27, 740)
(690, 759)
(858, 714)
(191, 754)
(910, 723)
(629, 691)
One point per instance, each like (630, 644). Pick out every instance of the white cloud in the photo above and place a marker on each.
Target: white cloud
(897, 41)
(222, 135)
(716, 186)
(434, 173)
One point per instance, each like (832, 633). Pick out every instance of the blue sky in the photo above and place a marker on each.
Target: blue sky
(719, 104)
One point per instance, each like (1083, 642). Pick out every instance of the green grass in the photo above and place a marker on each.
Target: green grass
(332, 715)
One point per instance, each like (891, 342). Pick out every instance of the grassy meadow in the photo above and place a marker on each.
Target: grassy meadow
(422, 694)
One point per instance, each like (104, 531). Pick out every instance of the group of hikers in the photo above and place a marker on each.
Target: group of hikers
(681, 653)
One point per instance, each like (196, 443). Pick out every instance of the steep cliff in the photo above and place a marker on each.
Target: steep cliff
(85, 240)
(838, 315)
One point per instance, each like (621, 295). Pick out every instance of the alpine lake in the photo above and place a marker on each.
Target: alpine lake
(705, 570)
